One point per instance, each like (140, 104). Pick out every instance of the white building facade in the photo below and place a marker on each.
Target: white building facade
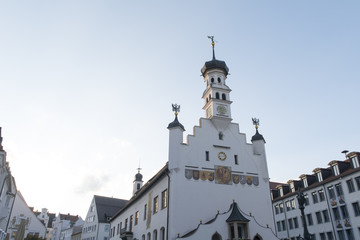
(97, 225)
(332, 210)
(23, 221)
(7, 191)
(215, 185)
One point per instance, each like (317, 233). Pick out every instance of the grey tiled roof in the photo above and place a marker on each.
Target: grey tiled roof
(106, 207)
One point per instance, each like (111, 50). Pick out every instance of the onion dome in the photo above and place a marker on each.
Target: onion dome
(138, 177)
(257, 136)
(214, 63)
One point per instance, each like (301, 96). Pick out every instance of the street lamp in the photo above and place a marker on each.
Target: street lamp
(301, 200)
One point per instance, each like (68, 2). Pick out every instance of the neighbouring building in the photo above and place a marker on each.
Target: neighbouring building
(63, 224)
(7, 191)
(47, 219)
(97, 225)
(23, 221)
(332, 208)
(214, 186)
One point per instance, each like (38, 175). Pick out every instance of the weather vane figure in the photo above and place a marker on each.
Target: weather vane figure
(256, 122)
(176, 108)
(213, 45)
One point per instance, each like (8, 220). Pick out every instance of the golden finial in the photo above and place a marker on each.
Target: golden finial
(213, 45)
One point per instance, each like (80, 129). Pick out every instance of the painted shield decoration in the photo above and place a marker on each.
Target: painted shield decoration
(256, 181)
(188, 173)
(242, 179)
(249, 180)
(196, 174)
(211, 176)
(203, 175)
(235, 178)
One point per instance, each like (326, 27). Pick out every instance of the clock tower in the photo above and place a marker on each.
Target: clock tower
(217, 94)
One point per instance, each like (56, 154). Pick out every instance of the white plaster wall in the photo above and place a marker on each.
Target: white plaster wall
(158, 220)
(195, 200)
(19, 210)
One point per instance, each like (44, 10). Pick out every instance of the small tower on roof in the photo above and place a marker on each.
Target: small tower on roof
(176, 130)
(138, 182)
(217, 94)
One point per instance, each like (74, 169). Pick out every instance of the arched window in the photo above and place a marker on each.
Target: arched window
(217, 95)
(219, 80)
(138, 186)
(162, 233)
(216, 236)
(149, 236)
(207, 100)
(143, 237)
(258, 237)
(223, 96)
(212, 80)
(209, 97)
(155, 235)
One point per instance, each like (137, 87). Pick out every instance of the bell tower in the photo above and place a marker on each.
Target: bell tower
(217, 94)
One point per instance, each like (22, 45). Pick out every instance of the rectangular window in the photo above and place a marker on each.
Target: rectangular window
(131, 222)
(318, 217)
(349, 234)
(356, 208)
(277, 210)
(293, 204)
(288, 206)
(344, 212)
(207, 156)
(355, 162)
(341, 234)
(330, 236)
(291, 225)
(336, 213)
(296, 224)
(281, 206)
(319, 177)
(126, 224)
(357, 180)
(283, 225)
(118, 229)
(336, 170)
(350, 185)
(321, 195)
(322, 236)
(156, 204)
(136, 217)
(306, 199)
(278, 224)
(309, 219)
(164, 199)
(331, 192)
(325, 214)
(305, 183)
(145, 211)
(315, 197)
(236, 159)
(339, 190)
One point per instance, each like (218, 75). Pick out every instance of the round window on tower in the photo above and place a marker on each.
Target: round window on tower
(219, 80)
(212, 80)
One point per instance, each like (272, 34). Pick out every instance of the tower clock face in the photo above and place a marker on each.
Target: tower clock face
(221, 109)
(222, 156)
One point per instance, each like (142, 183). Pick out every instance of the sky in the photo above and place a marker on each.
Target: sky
(86, 87)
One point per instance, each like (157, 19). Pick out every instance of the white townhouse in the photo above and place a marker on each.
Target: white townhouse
(97, 225)
(215, 185)
(332, 209)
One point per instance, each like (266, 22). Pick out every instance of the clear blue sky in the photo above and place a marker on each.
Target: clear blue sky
(86, 87)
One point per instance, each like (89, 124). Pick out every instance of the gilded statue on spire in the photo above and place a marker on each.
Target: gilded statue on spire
(176, 108)
(256, 122)
(213, 45)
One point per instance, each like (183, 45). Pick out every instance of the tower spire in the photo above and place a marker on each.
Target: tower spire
(1, 139)
(213, 46)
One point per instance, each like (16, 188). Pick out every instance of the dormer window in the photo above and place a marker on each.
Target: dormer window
(319, 176)
(355, 162)
(292, 187)
(336, 170)
(305, 183)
